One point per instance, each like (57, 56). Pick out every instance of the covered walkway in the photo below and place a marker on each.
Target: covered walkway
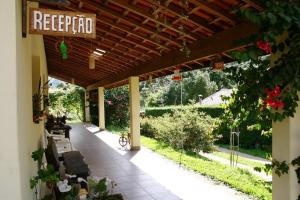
(144, 175)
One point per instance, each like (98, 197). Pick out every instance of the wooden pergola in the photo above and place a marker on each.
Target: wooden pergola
(150, 37)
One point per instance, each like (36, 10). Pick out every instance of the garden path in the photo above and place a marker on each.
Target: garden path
(262, 174)
(244, 155)
(144, 175)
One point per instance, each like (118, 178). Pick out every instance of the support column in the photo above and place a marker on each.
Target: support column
(101, 108)
(134, 103)
(87, 107)
(286, 147)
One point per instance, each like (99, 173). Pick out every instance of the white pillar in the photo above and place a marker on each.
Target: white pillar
(87, 107)
(134, 103)
(286, 147)
(101, 108)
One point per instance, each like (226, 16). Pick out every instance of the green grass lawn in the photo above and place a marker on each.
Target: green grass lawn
(253, 152)
(115, 129)
(237, 178)
(240, 160)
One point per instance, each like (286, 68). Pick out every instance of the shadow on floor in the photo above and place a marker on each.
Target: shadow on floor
(144, 175)
(105, 161)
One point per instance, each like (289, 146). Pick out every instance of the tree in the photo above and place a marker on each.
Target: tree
(198, 83)
(116, 106)
(67, 99)
(193, 84)
(221, 79)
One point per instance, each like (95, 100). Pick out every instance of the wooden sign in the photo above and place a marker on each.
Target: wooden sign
(62, 23)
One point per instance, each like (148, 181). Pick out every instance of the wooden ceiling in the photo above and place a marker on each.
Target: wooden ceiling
(148, 37)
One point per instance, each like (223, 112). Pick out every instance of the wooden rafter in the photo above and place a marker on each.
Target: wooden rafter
(84, 47)
(132, 8)
(137, 26)
(195, 20)
(122, 38)
(254, 3)
(138, 44)
(215, 10)
(115, 25)
(220, 42)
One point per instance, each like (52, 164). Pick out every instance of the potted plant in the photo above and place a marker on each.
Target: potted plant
(45, 174)
(102, 190)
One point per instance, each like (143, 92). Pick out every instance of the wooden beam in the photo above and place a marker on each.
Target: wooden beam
(118, 44)
(83, 46)
(123, 38)
(215, 10)
(254, 3)
(80, 58)
(83, 63)
(116, 25)
(63, 77)
(195, 20)
(187, 66)
(70, 72)
(220, 42)
(133, 8)
(134, 23)
(104, 70)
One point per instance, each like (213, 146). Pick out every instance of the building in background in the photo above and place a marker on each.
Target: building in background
(216, 98)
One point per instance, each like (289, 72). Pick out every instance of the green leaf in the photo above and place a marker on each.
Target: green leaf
(33, 183)
(38, 155)
(272, 18)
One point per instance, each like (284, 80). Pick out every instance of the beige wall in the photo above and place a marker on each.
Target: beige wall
(19, 135)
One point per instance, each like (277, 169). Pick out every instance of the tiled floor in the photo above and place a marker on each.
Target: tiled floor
(144, 175)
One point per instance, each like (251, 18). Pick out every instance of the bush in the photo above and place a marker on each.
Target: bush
(255, 130)
(249, 139)
(116, 107)
(187, 129)
(213, 111)
(148, 127)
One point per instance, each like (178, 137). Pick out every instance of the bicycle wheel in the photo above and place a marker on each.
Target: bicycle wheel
(123, 141)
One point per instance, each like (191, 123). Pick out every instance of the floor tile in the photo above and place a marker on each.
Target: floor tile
(144, 175)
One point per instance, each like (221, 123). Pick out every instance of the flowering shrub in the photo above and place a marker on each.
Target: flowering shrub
(116, 106)
(272, 98)
(265, 46)
(267, 86)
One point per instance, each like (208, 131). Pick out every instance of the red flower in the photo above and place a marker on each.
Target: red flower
(280, 104)
(265, 46)
(273, 93)
(274, 103)
(271, 100)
